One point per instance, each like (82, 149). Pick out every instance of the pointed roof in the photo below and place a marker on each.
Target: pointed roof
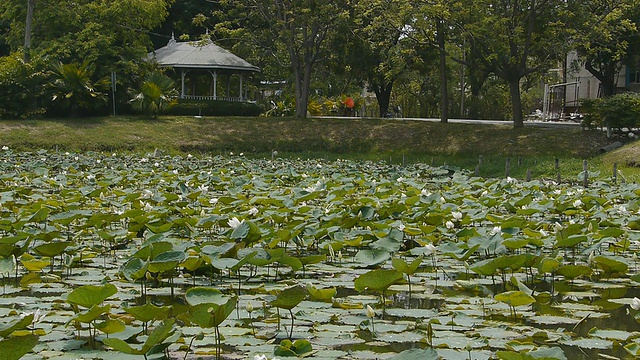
(195, 55)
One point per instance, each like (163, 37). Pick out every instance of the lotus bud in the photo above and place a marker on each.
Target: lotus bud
(635, 303)
(249, 307)
(370, 312)
(557, 227)
(200, 335)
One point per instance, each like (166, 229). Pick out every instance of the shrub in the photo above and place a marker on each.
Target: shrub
(157, 94)
(618, 111)
(215, 108)
(21, 88)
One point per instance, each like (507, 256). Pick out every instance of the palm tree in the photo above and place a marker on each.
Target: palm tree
(73, 88)
(157, 93)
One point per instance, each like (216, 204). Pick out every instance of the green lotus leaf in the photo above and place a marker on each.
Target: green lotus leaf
(148, 312)
(574, 271)
(90, 295)
(17, 324)
(410, 268)
(416, 354)
(299, 348)
(90, 314)
(290, 297)
(370, 257)
(14, 348)
(610, 265)
(161, 333)
(377, 280)
(110, 326)
(321, 294)
(7, 264)
(52, 249)
(515, 298)
(135, 269)
(205, 295)
(166, 261)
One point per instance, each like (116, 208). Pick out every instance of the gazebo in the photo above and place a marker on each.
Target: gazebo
(207, 71)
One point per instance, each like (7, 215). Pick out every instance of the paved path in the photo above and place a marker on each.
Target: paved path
(545, 124)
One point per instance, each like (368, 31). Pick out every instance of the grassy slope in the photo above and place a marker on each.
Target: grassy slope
(457, 144)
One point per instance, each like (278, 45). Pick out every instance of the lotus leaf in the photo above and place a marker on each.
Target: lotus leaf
(299, 348)
(17, 324)
(16, 347)
(161, 333)
(377, 280)
(90, 295)
(290, 297)
(515, 298)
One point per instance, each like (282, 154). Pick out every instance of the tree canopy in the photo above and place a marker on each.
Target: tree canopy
(476, 58)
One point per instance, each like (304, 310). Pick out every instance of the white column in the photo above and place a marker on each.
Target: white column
(182, 73)
(215, 85)
(241, 78)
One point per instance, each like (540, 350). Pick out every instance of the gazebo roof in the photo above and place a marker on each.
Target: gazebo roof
(196, 56)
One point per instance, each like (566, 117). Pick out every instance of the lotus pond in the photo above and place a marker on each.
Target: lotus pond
(124, 256)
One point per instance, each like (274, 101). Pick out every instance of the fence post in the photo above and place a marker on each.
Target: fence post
(507, 167)
(528, 174)
(585, 181)
(615, 172)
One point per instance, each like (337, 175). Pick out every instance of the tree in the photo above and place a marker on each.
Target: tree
(112, 35)
(293, 33)
(517, 38)
(379, 50)
(607, 36)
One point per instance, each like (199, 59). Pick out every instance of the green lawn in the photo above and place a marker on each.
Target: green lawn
(397, 141)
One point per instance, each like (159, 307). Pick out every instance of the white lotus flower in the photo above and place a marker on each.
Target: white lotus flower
(557, 227)
(577, 203)
(203, 188)
(370, 312)
(496, 230)
(442, 199)
(400, 179)
(213, 201)
(457, 215)
(429, 249)
(635, 303)
(449, 224)
(234, 222)
(249, 307)
(5, 148)
(424, 192)
(260, 357)
(189, 156)
(543, 233)
(146, 194)
(253, 211)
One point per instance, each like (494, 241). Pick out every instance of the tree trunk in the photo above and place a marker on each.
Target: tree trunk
(27, 30)
(516, 101)
(444, 94)
(606, 75)
(383, 96)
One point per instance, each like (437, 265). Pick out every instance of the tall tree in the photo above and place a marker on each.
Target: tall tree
(293, 33)
(516, 38)
(379, 50)
(607, 36)
(27, 30)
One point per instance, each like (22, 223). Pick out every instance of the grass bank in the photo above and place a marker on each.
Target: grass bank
(462, 145)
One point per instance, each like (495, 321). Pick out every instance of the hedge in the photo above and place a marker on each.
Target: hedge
(214, 108)
(617, 111)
